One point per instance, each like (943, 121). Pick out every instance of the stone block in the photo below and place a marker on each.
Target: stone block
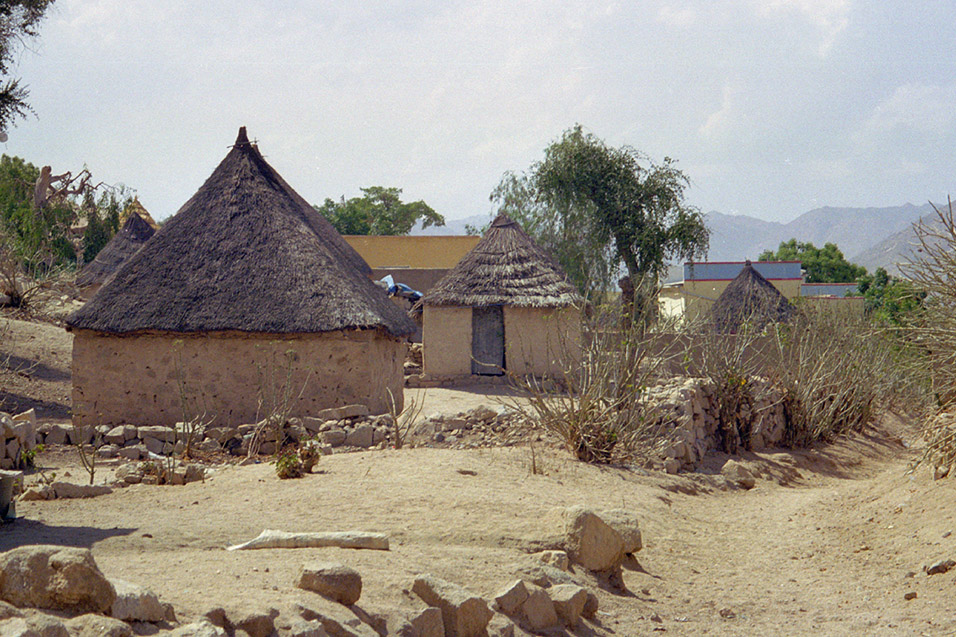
(330, 579)
(463, 613)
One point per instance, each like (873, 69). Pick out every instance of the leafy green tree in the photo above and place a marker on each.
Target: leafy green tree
(37, 238)
(889, 299)
(378, 211)
(561, 229)
(19, 22)
(597, 208)
(822, 265)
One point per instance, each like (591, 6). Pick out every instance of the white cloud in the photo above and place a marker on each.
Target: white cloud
(929, 109)
(829, 17)
(720, 121)
(678, 17)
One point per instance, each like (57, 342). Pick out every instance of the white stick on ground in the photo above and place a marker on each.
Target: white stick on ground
(270, 539)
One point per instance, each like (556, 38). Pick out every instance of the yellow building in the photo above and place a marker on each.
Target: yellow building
(704, 282)
(418, 262)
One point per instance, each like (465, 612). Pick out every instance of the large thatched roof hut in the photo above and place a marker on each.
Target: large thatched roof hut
(135, 232)
(507, 305)
(749, 299)
(247, 298)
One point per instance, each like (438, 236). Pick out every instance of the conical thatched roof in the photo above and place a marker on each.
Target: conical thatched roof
(505, 268)
(130, 238)
(135, 207)
(245, 253)
(750, 299)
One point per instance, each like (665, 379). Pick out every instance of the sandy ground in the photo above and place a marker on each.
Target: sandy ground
(828, 543)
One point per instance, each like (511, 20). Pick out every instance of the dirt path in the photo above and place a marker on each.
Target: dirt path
(833, 554)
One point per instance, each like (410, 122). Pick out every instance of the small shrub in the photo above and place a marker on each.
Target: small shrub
(28, 456)
(288, 465)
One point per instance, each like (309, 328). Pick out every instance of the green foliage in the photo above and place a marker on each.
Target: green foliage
(563, 231)
(19, 21)
(288, 465)
(102, 220)
(890, 300)
(823, 265)
(379, 211)
(596, 207)
(38, 239)
(28, 456)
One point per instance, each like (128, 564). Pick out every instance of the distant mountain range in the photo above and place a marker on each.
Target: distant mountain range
(854, 230)
(871, 237)
(453, 226)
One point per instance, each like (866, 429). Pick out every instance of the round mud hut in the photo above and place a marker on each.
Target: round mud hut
(507, 305)
(246, 304)
(749, 301)
(135, 232)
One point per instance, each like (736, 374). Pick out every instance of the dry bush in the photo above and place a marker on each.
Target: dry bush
(831, 372)
(933, 270)
(596, 404)
(403, 420)
(836, 371)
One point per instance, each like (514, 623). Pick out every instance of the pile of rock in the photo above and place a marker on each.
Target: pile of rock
(19, 437)
(478, 427)
(688, 409)
(348, 427)
(39, 578)
(159, 472)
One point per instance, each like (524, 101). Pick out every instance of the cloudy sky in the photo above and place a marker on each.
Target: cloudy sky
(772, 107)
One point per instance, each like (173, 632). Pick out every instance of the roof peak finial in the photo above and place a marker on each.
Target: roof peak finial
(242, 139)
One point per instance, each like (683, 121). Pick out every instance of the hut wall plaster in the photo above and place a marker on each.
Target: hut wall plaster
(541, 341)
(136, 379)
(446, 340)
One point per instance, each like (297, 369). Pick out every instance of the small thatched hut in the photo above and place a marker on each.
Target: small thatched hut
(507, 305)
(135, 232)
(135, 207)
(247, 303)
(749, 299)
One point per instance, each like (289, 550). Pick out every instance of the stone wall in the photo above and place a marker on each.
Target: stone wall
(688, 410)
(144, 379)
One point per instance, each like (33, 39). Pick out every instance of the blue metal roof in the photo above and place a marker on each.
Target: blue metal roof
(728, 270)
(829, 289)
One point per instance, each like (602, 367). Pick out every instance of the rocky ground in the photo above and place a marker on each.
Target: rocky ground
(834, 540)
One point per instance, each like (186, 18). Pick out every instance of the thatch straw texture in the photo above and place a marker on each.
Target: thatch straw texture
(245, 253)
(505, 268)
(135, 207)
(749, 299)
(135, 232)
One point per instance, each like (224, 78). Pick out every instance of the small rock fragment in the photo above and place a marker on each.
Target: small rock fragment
(738, 474)
(939, 567)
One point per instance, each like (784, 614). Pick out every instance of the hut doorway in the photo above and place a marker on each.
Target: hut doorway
(487, 340)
